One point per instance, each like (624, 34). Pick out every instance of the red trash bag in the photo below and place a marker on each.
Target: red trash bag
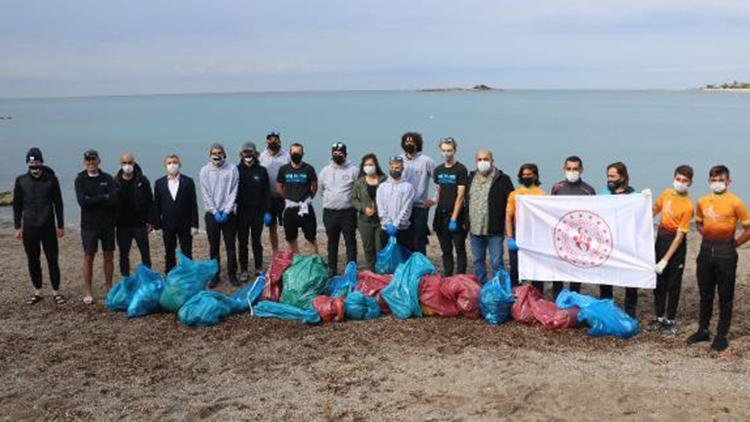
(432, 299)
(330, 309)
(552, 317)
(280, 262)
(370, 284)
(464, 290)
(522, 310)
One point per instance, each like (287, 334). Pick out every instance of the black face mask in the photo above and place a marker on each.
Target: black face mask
(396, 174)
(35, 171)
(296, 158)
(338, 159)
(274, 146)
(526, 181)
(613, 186)
(410, 148)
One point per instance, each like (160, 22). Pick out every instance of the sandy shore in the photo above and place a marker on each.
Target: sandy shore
(82, 362)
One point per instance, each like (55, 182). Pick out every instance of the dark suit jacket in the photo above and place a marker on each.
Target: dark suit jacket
(177, 214)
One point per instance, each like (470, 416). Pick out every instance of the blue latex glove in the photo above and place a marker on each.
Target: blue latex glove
(453, 226)
(512, 246)
(391, 229)
(267, 219)
(218, 217)
(105, 196)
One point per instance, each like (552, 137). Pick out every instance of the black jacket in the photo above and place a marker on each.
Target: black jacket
(37, 202)
(254, 191)
(97, 197)
(177, 214)
(141, 202)
(496, 201)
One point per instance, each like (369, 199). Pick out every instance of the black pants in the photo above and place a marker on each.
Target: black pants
(125, 237)
(33, 238)
(214, 231)
(669, 282)
(250, 225)
(448, 241)
(557, 287)
(338, 222)
(717, 270)
(514, 281)
(631, 297)
(405, 238)
(170, 245)
(420, 228)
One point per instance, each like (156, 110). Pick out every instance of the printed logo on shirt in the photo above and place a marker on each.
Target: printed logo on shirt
(256, 178)
(447, 179)
(295, 178)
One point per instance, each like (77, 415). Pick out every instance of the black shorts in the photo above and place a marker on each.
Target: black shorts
(277, 210)
(293, 222)
(91, 237)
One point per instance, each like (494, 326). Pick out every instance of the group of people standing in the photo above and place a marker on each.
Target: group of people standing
(276, 187)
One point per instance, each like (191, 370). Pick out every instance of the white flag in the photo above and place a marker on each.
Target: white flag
(605, 239)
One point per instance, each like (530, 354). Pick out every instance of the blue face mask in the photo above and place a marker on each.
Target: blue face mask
(396, 174)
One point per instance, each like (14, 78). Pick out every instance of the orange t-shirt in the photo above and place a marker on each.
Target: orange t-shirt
(676, 211)
(510, 209)
(720, 214)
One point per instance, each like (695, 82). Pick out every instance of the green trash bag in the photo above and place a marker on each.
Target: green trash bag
(185, 280)
(305, 279)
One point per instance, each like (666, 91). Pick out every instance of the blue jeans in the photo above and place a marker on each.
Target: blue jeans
(479, 246)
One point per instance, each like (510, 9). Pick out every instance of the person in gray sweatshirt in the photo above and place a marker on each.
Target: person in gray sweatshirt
(395, 201)
(418, 171)
(219, 180)
(335, 184)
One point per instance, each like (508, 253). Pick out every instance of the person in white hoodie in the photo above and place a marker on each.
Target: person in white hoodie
(335, 183)
(395, 200)
(219, 180)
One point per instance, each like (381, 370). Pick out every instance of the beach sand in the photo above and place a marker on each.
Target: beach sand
(83, 362)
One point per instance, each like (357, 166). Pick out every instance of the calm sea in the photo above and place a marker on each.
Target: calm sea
(651, 131)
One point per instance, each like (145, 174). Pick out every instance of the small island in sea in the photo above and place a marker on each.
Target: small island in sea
(735, 86)
(475, 88)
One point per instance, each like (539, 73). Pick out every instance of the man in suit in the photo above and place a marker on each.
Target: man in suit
(175, 210)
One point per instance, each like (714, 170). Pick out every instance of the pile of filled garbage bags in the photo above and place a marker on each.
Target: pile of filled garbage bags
(405, 285)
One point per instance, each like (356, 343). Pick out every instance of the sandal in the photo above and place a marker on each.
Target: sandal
(88, 300)
(59, 299)
(33, 299)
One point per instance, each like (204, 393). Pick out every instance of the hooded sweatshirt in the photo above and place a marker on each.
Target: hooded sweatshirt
(335, 183)
(219, 187)
(418, 172)
(37, 202)
(395, 201)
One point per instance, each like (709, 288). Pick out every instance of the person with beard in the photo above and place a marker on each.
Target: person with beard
(273, 158)
(336, 181)
(134, 212)
(418, 171)
(38, 220)
(297, 183)
(528, 177)
(449, 223)
(253, 205)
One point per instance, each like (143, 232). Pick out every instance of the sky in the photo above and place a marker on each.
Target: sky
(124, 47)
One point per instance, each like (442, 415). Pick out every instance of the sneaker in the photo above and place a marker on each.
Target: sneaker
(258, 272)
(656, 325)
(719, 344)
(699, 336)
(244, 277)
(214, 282)
(233, 280)
(669, 328)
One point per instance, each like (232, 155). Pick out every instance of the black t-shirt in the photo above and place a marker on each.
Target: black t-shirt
(126, 203)
(372, 191)
(297, 181)
(449, 179)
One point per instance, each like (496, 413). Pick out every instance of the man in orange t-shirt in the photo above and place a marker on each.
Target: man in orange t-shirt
(676, 211)
(716, 218)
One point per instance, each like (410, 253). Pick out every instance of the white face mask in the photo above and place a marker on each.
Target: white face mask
(573, 176)
(127, 168)
(369, 170)
(680, 187)
(718, 187)
(173, 168)
(448, 155)
(484, 166)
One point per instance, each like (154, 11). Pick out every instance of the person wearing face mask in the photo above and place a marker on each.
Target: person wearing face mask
(175, 211)
(219, 181)
(528, 178)
(717, 216)
(573, 184)
(253, 204)
(364, 196)
(38, 220)
(486, 201)
(450, 179)
(418, 170)
(395, 202)
(273, 158)
(97, 196)
(336, 181)
(676, 211)
(297, 183)
(134, 212)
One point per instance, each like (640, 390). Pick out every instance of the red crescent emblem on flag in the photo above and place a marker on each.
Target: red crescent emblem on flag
(583, 239)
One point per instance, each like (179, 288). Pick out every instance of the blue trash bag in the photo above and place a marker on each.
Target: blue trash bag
(185, 280)
(268, 309)
(567, 299)
(357, 306)
(390, 257)
(604, 318)
(206, 308)
(496, 298)
(120, 295)
(250, 293)
(146, 299)
(342, 285)
(402, 293)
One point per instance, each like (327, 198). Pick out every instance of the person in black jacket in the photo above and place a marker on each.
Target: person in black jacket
(487, 194)
(97, 196)
(253, 208)
(37, 203)
(175, 211)
(134, 213)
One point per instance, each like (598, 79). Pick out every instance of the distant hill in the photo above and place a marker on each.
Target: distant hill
(728, 86)
(475, 88)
